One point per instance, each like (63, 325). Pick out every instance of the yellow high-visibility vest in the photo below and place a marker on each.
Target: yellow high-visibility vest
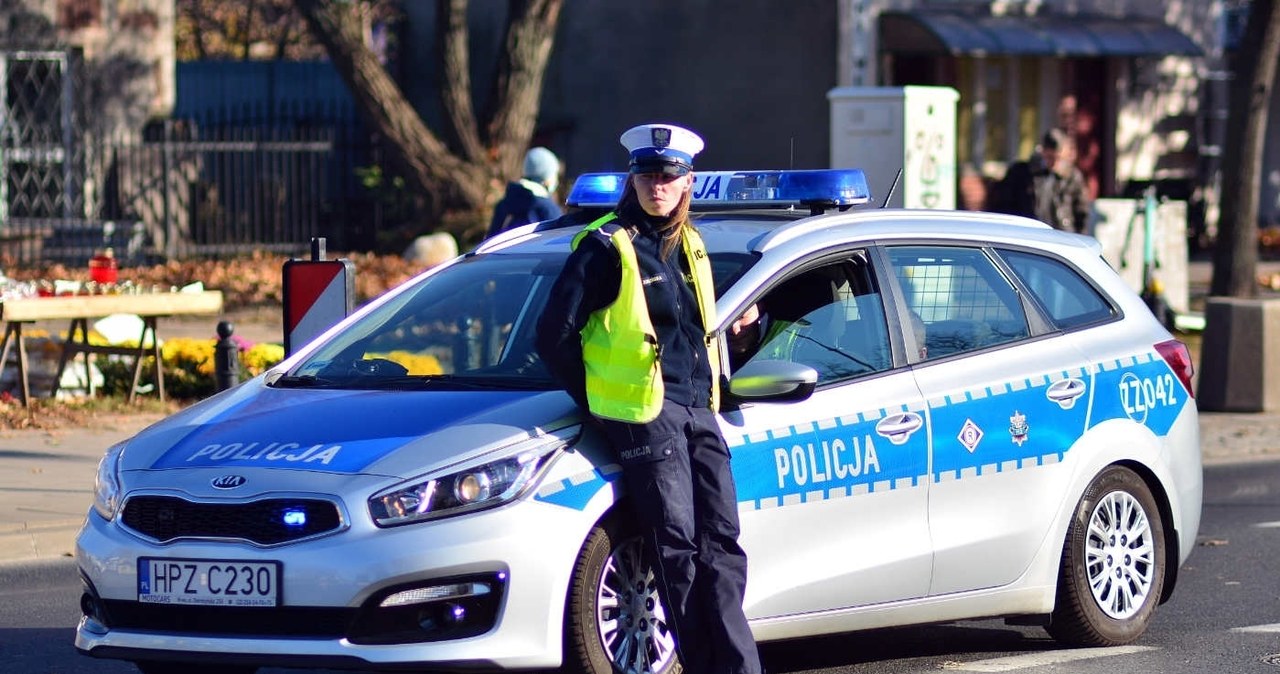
(619, 344)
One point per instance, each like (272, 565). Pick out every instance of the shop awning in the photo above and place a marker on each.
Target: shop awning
(935, 32)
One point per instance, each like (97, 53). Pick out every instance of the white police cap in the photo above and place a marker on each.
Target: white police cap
(661, 148)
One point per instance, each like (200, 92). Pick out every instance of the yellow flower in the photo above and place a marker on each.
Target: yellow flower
(185, 353)
(260, 357)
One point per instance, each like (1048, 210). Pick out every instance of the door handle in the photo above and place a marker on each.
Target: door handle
(897, 428)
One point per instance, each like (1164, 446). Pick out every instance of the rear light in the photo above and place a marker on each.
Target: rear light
(1175, 353)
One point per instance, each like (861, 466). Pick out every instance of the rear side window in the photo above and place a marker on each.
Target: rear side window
(1069, 299)
(959, 299)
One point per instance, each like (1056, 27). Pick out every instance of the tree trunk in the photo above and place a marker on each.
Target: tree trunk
(444, 180)
(455, 89)
(530, 36)
(1235, 258)
(471, 179)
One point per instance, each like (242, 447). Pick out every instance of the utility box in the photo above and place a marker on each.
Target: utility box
(883, 129)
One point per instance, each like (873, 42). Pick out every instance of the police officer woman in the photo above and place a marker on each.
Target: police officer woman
(626, 333)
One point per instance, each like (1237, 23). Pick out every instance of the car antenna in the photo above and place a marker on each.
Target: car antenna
(889, 195)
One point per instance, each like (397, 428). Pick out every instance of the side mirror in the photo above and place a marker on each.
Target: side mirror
(773, 381)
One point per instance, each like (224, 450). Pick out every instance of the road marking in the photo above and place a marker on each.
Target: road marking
(1267, 525)
(1259, 629)
(1016, 662)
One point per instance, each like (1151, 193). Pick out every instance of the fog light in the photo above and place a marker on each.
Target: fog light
(446, 608)
(434, 619)
(423, 595)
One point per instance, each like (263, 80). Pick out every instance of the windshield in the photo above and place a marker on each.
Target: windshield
(470, 326)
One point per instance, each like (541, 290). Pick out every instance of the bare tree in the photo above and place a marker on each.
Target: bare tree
(468, 176)
(1235, 257)
(254, 29)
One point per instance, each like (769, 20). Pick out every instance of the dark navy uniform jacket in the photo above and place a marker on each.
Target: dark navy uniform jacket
(520, 207)
(590, 281)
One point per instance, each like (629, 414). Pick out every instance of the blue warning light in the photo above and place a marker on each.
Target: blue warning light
(825, 188)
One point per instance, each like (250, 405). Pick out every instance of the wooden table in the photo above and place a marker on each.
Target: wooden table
(80, 308)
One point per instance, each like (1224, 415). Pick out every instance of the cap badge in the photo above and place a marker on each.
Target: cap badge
(661, 136)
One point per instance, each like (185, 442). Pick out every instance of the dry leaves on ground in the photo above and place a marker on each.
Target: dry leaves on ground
(101, 412)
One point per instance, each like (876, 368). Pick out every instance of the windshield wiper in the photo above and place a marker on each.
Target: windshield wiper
(304, 381)
(454, 382)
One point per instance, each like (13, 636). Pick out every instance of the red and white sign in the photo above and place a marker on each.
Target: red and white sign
(317, 294)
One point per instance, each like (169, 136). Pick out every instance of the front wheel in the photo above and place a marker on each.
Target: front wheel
(1113, 563)
(615, 622)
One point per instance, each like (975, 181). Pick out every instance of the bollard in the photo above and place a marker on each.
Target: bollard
(226, 358)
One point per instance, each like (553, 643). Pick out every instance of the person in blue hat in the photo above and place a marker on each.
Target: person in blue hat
(530, 198)
(626, 331)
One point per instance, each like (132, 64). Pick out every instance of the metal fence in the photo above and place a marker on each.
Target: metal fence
(213, 185)
(170, 193)
(230, 96)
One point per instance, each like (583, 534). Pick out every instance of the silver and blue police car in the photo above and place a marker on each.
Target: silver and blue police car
(947, 415)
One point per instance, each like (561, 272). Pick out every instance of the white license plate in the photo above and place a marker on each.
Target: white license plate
(208, 582)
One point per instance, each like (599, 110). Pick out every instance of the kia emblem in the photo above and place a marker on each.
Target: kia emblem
(228, 481)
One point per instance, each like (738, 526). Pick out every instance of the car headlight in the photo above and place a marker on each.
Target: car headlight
(483, 486)
(106, 487)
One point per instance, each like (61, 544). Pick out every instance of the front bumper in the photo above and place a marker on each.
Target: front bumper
(529, 546)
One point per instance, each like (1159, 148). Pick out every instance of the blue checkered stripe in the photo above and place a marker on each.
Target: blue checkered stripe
(1006, 426)
(979, 431)
(827, 459)
(577, 489)
(1142, 388)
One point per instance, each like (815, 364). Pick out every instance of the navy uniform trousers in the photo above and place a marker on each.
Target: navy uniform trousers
(676, 470)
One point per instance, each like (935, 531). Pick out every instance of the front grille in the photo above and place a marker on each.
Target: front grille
(166, 518)
(308, 622)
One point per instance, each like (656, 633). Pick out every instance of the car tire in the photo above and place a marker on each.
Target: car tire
(1113, 563)
(614, 621)
(154, 667)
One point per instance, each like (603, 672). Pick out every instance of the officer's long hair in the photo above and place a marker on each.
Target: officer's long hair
(674, 225)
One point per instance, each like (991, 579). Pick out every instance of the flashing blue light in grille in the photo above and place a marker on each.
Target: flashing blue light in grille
(294, 517)
(742, 189)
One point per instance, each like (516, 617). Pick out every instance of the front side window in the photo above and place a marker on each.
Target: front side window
(958, 298)
(830, 318)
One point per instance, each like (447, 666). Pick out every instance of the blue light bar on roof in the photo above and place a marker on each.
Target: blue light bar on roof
(825, 188)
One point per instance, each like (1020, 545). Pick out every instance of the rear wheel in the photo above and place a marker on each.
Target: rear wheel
(615, 622)
(1113, 563)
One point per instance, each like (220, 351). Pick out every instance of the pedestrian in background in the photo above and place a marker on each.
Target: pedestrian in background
(1048, 186)
(529, 199)
(638, 285)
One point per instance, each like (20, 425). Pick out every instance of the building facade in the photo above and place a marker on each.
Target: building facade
(1141, 85)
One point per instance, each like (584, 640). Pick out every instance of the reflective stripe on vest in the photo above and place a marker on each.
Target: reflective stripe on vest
(619, 344)
(704, 287)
